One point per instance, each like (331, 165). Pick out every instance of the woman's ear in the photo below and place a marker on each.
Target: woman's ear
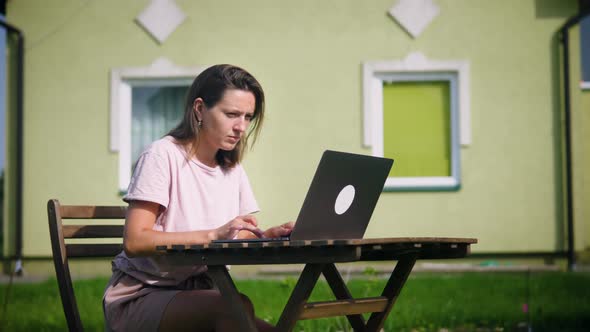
(198, 106)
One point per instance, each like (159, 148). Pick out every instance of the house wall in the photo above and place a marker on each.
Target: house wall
(307, 54)
(580, 137)
(585, 204)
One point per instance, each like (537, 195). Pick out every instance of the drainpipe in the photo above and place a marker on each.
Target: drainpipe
(19, 141)
(564, 38)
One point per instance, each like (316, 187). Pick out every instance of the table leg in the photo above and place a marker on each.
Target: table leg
(299, 296)
(391, 291)
(341, 292)
(230, 293)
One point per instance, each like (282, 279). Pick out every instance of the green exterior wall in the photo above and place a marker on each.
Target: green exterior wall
(307, 54)
(584, 230)
(584, 224)
(580, 137)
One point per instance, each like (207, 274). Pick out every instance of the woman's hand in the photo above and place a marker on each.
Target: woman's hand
(279, 231)
(232, 228)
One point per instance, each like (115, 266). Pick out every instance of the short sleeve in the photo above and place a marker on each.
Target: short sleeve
(247, 201)
(151, 180)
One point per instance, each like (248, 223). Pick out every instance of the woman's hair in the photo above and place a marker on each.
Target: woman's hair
(210, 86)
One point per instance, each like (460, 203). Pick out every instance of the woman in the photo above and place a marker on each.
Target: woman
(189, 188)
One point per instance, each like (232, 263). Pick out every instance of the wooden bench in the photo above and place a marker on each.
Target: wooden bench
(100, 240)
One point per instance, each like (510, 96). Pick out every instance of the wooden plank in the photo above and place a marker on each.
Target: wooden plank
(215, 245)
(94, 250)
(393, 240)
(391, 292)
(342, 242)
(276, 244)
(299, 296)
(412, 240)
(254, 245)
(321, 243)
(344, 308)
(338, 242)
(265, 255)
(238, 245)
(367, 245)
(395, 251)
(341, 292)
(299, 243)
(238, 254)
(233, 300)
(92, 231)
(62, 269)
(92, 212)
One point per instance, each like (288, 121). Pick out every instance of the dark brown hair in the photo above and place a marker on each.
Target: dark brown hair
(210, 85)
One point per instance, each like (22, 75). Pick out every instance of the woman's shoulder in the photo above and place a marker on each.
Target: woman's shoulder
(165, 147)
(237, 171)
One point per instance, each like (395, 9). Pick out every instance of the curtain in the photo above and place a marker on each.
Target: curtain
(155, 111)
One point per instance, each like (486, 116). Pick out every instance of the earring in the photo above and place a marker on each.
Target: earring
(199, 123)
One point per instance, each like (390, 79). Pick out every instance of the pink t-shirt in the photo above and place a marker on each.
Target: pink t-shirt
(194, 197)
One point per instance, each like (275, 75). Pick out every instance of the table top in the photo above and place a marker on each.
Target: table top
(320, 251)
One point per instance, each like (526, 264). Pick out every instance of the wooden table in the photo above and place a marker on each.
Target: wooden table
(319, 258)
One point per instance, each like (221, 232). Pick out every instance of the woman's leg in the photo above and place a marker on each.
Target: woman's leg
(203, 310)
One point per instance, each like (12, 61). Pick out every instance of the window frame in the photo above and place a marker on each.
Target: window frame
(416, 67)
(161, 72)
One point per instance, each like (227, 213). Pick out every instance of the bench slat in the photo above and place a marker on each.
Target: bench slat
(92, 231)
(94, 250)
(92, 212)
(313, 310)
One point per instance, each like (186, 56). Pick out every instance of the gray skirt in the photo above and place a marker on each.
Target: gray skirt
(131, 305)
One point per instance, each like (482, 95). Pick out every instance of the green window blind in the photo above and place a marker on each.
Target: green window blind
(417, 127)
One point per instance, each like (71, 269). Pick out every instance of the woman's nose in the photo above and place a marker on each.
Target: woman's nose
(240, 124)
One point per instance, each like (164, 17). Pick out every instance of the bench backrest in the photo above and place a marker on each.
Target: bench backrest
(87, 225)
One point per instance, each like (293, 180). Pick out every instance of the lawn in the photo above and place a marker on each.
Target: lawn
(557, 301)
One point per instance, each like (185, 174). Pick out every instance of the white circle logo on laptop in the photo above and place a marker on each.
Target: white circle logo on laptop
(344, 199)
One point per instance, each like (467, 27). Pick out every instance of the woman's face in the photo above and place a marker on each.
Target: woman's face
(224, 124)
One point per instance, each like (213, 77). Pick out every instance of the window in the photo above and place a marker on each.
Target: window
(145, 104)
(416, 111)
(155, 111)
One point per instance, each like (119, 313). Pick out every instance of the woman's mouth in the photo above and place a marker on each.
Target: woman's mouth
(234, 139)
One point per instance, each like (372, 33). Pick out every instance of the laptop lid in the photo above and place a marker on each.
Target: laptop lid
(341, 197)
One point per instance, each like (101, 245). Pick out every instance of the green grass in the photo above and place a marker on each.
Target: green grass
(428, 302)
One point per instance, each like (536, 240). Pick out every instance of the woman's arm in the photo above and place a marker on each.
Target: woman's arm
(140, 239)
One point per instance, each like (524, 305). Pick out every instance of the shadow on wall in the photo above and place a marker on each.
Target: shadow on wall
(552, 8)
(558, 152)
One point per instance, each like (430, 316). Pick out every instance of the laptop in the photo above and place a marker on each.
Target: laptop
(340, 199)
